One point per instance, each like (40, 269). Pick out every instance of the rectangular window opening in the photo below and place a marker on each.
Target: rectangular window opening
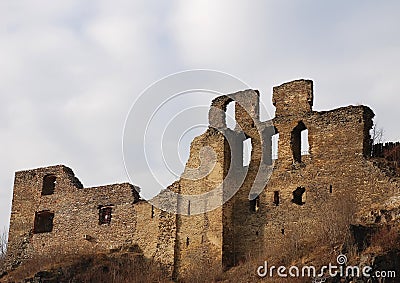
(275, 146)
(247, 148)
(305, 147)
(298, 196)
(230, 115)
(43, 222)
(49, 184)
(105, 214)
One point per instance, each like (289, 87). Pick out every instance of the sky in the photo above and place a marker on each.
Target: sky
(70, 70)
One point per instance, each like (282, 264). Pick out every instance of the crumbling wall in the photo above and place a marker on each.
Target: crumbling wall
(335, 177)
(309, 199)
(293, 98)
(27, 200)
(199, 235)
(78, 226)
(279, 207)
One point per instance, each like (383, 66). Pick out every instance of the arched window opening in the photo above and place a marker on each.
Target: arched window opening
(299, 141)
(49, 184)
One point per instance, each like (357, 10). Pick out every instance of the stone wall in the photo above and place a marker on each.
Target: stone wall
(76, 227)
(227, 211)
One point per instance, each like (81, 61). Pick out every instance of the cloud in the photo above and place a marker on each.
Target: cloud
(349, 49)
(70, 70)
(68, 75)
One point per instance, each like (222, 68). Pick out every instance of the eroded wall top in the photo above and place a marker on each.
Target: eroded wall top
(293, 98)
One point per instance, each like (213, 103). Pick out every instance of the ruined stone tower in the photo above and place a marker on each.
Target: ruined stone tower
(281, 201)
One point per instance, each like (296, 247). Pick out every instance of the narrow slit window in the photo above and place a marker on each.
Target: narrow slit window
(276, 198)
(255, 203)
(152, 211)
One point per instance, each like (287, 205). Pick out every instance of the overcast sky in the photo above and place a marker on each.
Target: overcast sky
(69, 70)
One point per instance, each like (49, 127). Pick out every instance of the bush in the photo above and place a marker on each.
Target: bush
(3, 248)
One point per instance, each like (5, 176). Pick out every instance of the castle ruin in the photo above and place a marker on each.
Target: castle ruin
(283, 202)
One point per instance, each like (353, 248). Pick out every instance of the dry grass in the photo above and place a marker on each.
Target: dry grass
(205, 269)
(129, 267)
(125, 267)
(386, 239)
(121, 267)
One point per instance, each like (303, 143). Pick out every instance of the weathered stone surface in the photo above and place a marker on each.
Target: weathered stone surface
(298, 200)
(76, 227)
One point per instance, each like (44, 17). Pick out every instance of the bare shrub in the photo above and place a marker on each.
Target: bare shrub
(335, 229)
(3, 248)
(377, 134)
(387, 238)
